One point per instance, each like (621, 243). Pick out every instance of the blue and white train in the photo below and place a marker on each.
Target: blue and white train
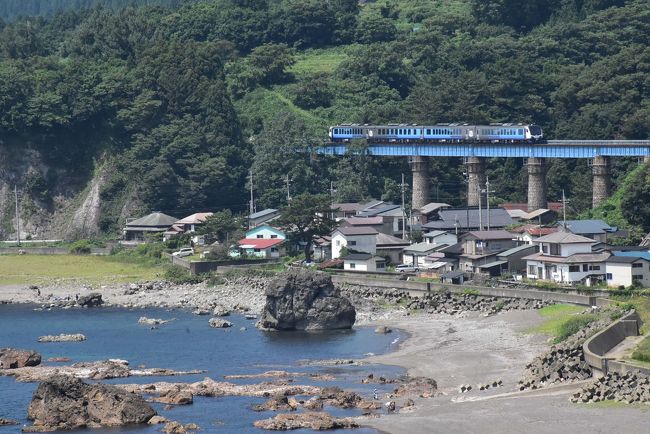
(455, 133)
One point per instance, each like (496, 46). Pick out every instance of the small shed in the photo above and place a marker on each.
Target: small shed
(454, 277)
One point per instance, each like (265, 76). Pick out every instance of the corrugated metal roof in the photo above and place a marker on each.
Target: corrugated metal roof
(519, 249)
(423, 248)
(262, 213)
(586, 226)
(356, 230)
(493, 264)
(433, 206)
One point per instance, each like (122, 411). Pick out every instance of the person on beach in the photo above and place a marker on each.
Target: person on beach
(375, 395)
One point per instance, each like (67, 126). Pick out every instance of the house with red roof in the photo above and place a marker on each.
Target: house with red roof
(263, 241)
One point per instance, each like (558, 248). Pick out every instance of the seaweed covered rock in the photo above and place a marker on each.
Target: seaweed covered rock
(301, 299)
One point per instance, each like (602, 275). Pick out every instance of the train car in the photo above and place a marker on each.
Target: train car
(445, 133)
(395, 133)
(345, 133)
(512, 133)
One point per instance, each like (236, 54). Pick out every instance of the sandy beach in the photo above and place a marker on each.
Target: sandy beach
(477, 350)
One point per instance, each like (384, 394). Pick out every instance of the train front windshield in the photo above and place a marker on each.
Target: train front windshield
(535, 130)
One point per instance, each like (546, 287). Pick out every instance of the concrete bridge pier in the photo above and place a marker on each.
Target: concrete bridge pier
(475, 180)
(600, 171)
(536, 183)
(420, 196)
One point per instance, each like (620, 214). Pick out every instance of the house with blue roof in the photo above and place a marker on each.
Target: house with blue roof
(595, 229)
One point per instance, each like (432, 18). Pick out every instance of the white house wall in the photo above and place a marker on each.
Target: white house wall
(621, 273)
(359, 243)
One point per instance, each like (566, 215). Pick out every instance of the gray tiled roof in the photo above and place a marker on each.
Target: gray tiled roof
(357, 230)
(155, 219)
(563, 238)
(499, 218)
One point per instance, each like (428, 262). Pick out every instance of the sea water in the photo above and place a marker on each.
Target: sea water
(188, 343)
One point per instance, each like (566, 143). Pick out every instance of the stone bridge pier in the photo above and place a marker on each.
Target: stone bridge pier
(420, 195)
(536, 183)
(601, 184)
(475, 180)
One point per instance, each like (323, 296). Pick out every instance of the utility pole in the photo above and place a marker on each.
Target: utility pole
(487, 199)
(403, 188)
(288, 189)
(251, 204)
(563, 210)
(480, 208)
(17, 214)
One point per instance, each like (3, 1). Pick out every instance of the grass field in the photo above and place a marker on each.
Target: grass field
(318, 61)
(43, 269)
(555, 318)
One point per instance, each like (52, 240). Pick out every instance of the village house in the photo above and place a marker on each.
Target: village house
(354, 238)
(345, 210)
(393, 217)
(322, 248)
(628, 270)
(262, 217)
(481, 247)
(461, 220)
(564, 257)
(154, 223)
(263, 241)
(189, 224)
(391, 247)
(509, 262)
(595, 229)
(377, 223)
(526, 234)
(428, 212)
(440, 238)
(363, 262)
(417, 254)
(539, 216)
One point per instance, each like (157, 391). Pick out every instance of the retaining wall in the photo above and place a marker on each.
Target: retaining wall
(201, 267)
(419, 288)
(596, 347)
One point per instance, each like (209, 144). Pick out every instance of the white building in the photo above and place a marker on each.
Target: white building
(265, 232)
(627, 270)
(356, 238)
(566, 258)
(364, 262)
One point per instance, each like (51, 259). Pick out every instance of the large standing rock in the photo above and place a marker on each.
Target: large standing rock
(301, 299)
(93, 299)
(11, 358)
(63, 403)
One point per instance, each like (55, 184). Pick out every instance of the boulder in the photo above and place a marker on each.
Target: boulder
(383, 330)
(63, 403)
(220, 310)
(93, 299)
(11, 358)
(301, 299)
(175, 396)
(174, 427)
(312, 420)
(77, 337)
(8, 422)
(219, 323)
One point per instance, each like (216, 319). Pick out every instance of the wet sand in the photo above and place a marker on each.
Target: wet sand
(477, 350)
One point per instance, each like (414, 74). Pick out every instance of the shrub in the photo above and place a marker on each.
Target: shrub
(469, 291)
(180, 275)
(80, 247)
(574, 325)
(642, 352)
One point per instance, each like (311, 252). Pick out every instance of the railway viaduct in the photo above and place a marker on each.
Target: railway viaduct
(597, 152)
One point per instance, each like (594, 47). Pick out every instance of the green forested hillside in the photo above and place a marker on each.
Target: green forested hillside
(181, 103)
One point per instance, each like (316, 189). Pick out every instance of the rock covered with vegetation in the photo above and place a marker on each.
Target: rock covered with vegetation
(64, 402)
(301, 299)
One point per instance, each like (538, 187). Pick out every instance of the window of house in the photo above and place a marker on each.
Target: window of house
(531, 270)
(637, 277)
(594, 267)
(274, 236)
(260, 236)
(273, 249)
(381, 265)
(256, 250)
(338, 243)
(353, 265)
(574, 268)
(544, 248)
(609, 276)
(637, 265)
(352, 243)
(555, 249)
(585, 267)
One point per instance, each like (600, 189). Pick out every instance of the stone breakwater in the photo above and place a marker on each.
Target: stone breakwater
(630, 388)
(438, 302)
(562, 362)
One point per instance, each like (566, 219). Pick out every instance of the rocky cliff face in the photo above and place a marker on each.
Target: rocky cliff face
(305, 300)
(64, 403)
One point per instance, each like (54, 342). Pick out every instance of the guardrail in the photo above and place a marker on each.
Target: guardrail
(596, 347)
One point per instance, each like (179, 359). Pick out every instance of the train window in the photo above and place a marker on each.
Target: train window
(520, 131)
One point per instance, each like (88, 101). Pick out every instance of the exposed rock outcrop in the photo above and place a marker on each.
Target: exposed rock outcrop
(143, 320)
(301, 299)
(4, 421)
(63, 402)
(175, 396)
(11, 358)
(76, 337)
(219, 323)
(94, 299)
(312, 420)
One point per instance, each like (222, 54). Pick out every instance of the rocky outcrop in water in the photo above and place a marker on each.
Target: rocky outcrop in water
(301, 299)
(63, 403)
(143, 320)
(77, 337)
(219, 323)
(94, 299)
(4, 422)
(311, 420)
(11, 358)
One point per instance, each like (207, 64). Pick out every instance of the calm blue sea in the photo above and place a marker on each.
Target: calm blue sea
(184, 344)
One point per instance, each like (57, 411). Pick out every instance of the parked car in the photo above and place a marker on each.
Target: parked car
(185, 251)
(405, 268)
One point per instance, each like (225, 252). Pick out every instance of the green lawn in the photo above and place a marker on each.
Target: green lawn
(318, 61)
(642, 351)
(555, 318)
(43, 269)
